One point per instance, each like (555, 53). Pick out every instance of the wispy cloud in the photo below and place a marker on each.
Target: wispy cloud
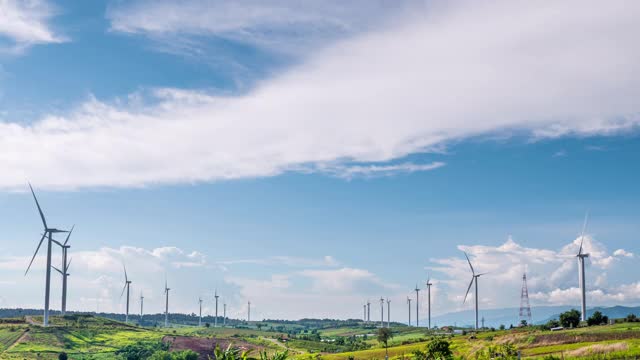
(278, 25)
(25, 23)
(341, 107)
(372, 171)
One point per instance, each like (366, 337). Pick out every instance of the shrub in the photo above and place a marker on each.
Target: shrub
(597, 319)
(570, 318)
(63, 356)
(439, 349)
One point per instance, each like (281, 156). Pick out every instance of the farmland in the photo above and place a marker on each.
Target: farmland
(89, 337)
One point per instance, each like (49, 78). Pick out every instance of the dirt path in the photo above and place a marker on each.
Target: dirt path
(283, 346)
(18, 340)
(30, 320)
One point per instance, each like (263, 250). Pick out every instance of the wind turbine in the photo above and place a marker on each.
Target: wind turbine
(200, 318)
(215, 320)
(429, 301)
(141, 305)
(474, 279)
(364, 316)
(409, 306)
(65, 270)
(248, 311)
(224, 314)
(166, 309)
(417, 290)
(381, 312)
(368, 311)
(388, 313)
(581, 256)
(48, 233)
(127, 284)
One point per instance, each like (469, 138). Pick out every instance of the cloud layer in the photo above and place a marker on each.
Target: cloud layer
(460, 70)
(25, 23)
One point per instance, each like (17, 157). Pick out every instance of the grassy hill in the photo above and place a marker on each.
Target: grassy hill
(88, 337)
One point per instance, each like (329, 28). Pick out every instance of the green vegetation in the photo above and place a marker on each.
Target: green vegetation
(87, 337)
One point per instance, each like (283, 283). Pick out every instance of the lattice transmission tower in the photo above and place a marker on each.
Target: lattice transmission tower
(525, 308)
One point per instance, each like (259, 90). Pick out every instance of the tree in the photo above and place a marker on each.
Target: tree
(502, 327)
(523, 322)
(570, 318)
(597, 319)
(62, 356)
(631, 318)
(439, 349)
(384, 335)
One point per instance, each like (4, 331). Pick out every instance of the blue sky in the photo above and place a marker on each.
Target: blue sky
(308, 157)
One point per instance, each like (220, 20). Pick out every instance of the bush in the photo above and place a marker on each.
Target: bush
(631, 318)
(63, 356)
(570, 318)
(141, 350)
(597, 319)
(439, 349)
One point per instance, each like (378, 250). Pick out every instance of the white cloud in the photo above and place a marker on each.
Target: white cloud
(371, 171)
(24, 23)
(278, 25)
(466, 69)
(552, 275)
(623, 253)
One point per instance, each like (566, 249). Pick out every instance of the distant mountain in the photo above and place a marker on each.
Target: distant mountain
(508, 316)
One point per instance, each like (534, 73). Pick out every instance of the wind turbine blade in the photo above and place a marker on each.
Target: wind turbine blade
(123, 289)
(69, 234)
(35, 253)
(125, 273)
(58, 270)
(469, 261)
(44, 222)
(468, 289)
(584, 227)
(68, 264)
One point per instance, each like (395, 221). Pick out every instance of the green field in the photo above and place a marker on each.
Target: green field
(88, 337)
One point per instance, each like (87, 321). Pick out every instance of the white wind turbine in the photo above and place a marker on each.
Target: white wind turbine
(64, 271)
(409, 306)
(166, 309)
(48, 233)
(215, 320)
(127, 284)
(200, 318)
(581, 256)
(474, 279)
(429, 301)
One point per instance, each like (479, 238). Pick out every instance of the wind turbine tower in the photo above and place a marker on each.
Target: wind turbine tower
(141, 305)
(215, 321)
(364, 316)
(200, 318)
(65, 271)
(166, 309)
(224, 314)
(409, 306)
(581, 256)
(127, 284)
(248, 311)
(474, 279)
(429, 302)
(381, 312)
(48, 233)
(388, 313)
(368, 311)
(417, 290)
